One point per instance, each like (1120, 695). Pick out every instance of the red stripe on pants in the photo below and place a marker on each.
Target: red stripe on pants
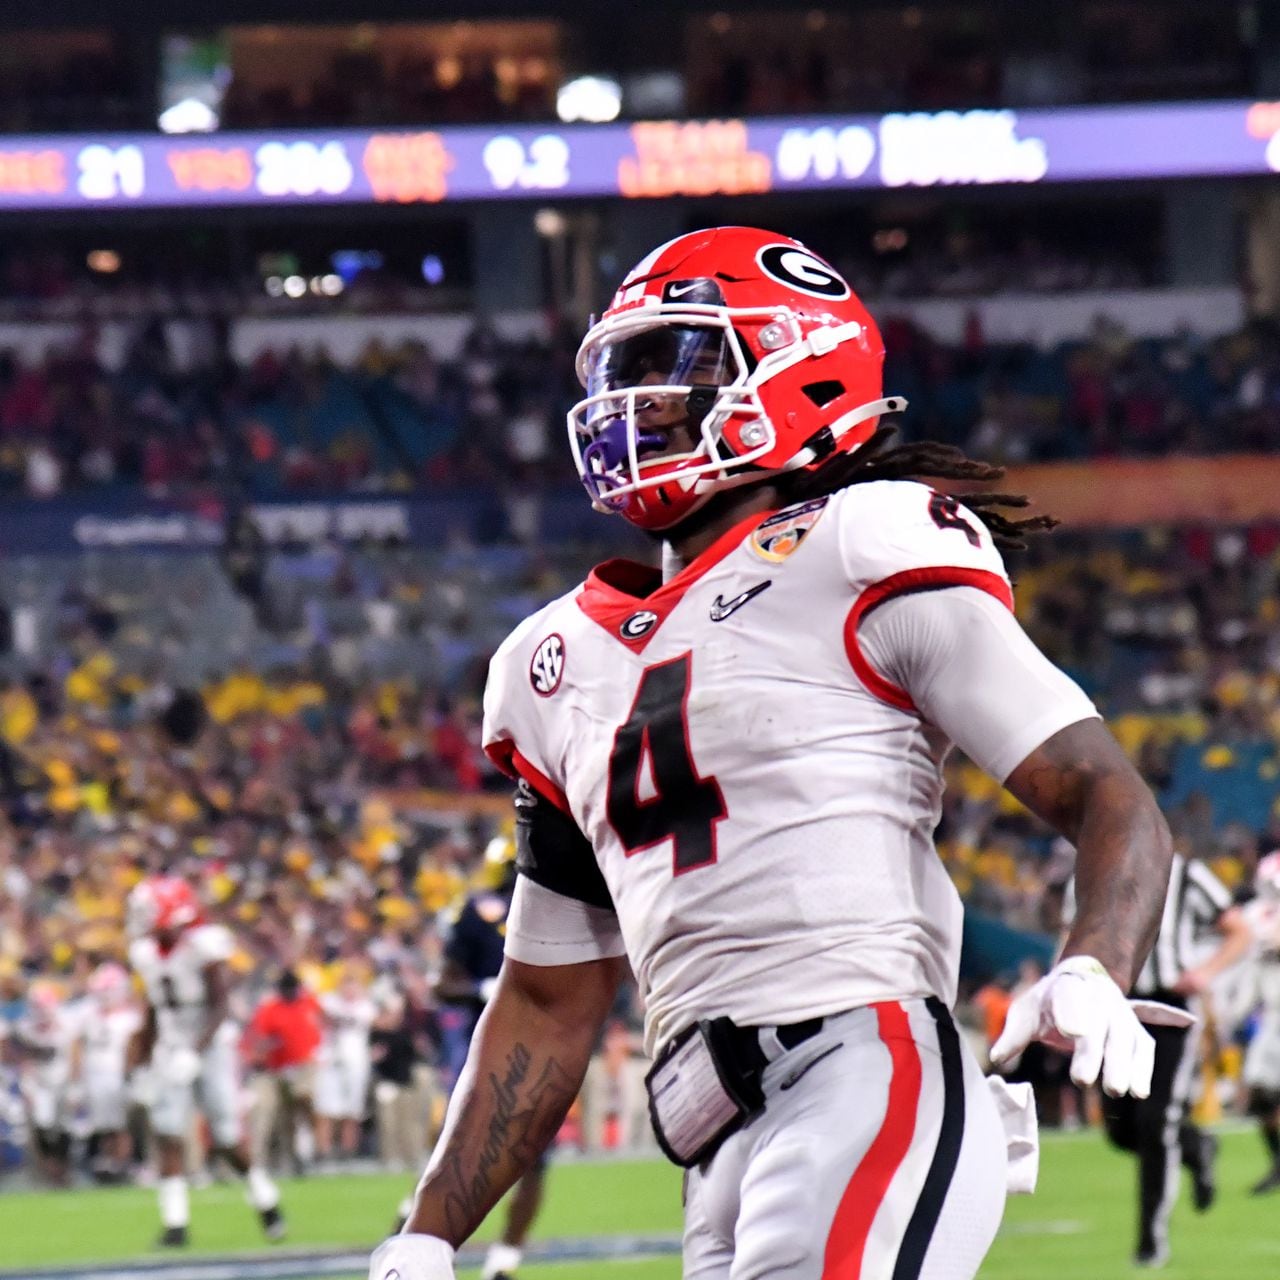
(866, 1191)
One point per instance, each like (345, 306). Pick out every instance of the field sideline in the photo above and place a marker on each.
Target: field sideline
(1077, 1227)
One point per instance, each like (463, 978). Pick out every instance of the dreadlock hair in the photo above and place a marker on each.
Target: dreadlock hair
(878, 460)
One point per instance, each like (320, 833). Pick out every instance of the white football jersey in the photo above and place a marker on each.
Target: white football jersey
(47, 1036)
(761, 800)
(347, 1023)
(1263, 918)
(105, 1034)
(174, 980)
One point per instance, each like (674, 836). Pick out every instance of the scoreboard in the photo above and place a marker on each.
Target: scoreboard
(649, 159)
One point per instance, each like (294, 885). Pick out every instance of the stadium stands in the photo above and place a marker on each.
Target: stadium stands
(402, 419)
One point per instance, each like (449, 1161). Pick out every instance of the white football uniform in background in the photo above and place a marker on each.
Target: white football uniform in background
(342, 1063)
(104, 1036)
(175, 985)
(46, 1036)
(754, 752)
(1262, 1058)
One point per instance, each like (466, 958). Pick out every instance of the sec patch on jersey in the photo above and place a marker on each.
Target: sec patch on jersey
(546, 667)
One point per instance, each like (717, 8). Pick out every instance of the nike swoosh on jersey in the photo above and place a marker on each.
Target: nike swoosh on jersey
(722, 608)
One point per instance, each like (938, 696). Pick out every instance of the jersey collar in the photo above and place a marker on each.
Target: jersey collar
(621, 591)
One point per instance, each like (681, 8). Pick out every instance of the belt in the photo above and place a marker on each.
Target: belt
(748, 1043)
(798, 1032)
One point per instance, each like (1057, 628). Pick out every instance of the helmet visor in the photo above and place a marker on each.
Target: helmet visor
(664, 356)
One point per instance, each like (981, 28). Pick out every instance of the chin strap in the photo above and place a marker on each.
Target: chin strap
(842, 426)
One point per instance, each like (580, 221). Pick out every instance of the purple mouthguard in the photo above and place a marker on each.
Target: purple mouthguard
(603, 457)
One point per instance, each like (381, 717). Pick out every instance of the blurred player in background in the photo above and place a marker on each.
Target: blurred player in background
(1262, 1060)
(109, 1019)
(282, 1040)
(1158, 1129)
(43, 1037)
(343, 1066)
(189, 1044)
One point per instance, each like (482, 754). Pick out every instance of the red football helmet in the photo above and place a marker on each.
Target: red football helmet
(726, 356)
(162, 904)
(109, 984)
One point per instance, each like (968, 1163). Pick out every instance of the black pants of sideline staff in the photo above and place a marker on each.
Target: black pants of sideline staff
(1156, 1129)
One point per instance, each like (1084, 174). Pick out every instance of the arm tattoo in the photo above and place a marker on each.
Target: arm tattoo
(506, 1121)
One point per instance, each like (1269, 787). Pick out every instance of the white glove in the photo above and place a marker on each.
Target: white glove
(1076, 1007)
(412, 1257)
(180, 1066)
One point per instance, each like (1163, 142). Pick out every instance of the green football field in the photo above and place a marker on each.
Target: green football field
(1077, 1227)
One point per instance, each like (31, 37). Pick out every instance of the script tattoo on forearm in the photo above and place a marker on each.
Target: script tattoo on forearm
(507, 1120)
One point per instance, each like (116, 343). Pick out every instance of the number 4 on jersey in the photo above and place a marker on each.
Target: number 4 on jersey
(684, 807)
(945, 512)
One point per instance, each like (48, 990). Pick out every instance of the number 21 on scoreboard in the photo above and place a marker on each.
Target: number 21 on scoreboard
(107, 173)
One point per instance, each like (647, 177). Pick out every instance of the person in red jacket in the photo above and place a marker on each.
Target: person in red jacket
(281, 1042)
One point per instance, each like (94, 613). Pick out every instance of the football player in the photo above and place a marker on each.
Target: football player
(343, 1066)
(43, 1037)
(1262, 1060)
(108, 1022)
(188, 1042)
(729, 772)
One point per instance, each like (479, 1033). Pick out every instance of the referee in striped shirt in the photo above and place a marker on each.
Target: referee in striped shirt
(1157, 1128)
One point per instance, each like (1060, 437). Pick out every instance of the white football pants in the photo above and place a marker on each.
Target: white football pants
(216, 1093)
(879, 1156)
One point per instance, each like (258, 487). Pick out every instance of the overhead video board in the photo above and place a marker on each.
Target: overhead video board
(650, 159)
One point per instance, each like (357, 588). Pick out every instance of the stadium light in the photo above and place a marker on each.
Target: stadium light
(549, 223)
(188, 116)
(590, 99)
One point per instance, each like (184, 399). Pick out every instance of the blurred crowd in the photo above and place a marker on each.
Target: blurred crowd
(395, 420)
(402, 418)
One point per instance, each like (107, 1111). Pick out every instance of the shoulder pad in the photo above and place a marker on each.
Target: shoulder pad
(902, 535)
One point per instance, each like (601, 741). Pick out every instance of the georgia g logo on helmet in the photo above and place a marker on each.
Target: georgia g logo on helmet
(799, 269)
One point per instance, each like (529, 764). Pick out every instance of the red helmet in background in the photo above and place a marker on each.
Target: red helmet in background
(775, 361)
(109, 984)
(162, 904)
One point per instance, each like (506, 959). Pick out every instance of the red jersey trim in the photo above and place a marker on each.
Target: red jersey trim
(926, 578)
(505, 757)
(617, 589)
(866, 1191)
